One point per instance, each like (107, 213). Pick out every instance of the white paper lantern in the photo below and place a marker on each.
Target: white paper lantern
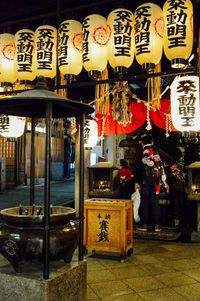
(148, 31)
(121, 42)
(185, 103)
(46, 44)
(12, 126)
(95, 38)
(90, 133)
(7, 55)
(70, 48)
(25, 55)
(178, 31)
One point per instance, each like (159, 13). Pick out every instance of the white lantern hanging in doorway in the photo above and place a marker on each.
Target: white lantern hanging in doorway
(95, 38)
(90, 133)
(12, 126)
(7, 54)
(178, 31)
(46, 45)
(70, 49)
(121, 42)
(25, 55)
(185, 103)
(148, 32)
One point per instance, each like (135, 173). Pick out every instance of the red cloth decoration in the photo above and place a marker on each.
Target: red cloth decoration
(139, 114)
(158, 117)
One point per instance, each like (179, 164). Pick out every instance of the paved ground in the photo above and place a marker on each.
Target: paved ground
(156, 271)
(62, 193)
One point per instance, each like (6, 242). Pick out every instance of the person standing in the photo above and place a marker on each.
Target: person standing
(125, 176)
(148, 173)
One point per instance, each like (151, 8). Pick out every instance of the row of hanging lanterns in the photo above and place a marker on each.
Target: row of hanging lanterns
(97, 41)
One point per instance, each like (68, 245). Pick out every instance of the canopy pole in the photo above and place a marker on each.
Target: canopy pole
(47, 192)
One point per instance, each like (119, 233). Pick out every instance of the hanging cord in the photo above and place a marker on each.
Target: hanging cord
(102, 95)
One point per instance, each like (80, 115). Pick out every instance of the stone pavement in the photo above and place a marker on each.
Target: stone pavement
(62, 193)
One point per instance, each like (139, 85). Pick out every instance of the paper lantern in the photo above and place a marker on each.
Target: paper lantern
(121, 42)
(11, 126)
(148, 31)
(90, 133)
(46, 43)
(70, 48)
(185, 103)
(7, 54)
(95, 38)
(25, 55)
(178, 31)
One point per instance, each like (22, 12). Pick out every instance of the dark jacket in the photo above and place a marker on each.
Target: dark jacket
(144, 172)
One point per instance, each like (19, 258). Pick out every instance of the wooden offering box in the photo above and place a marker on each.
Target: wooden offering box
(108, 226)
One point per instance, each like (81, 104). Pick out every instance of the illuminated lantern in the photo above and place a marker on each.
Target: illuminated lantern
(70, 48)
(11, 126)
(46, 43)
(7, 54)
(178, 31)
(90, 133)
(148, 31)
(185, 103)
(95, 38)
(25, 55)
(121, 42)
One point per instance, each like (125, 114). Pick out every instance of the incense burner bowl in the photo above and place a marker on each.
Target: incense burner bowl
(22, 235)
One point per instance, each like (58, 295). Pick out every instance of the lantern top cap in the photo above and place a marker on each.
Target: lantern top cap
(32, 103)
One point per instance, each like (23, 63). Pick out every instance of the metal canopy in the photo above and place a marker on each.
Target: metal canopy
(41, 103)
(32, 103)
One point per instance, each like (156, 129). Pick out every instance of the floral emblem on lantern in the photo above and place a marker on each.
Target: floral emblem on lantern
(77, 41)
(159, 26)
(101, 35)
(9, 52)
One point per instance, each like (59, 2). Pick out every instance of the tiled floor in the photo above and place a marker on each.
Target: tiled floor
(156, 271)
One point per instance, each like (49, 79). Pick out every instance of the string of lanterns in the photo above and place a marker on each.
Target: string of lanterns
(144, 34)
(97, 42)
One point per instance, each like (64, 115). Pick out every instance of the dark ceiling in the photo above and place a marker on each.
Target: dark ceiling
(32, 13)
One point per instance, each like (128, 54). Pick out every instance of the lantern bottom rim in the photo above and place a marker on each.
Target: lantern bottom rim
(178, 63)
(70, 77)
(120, 70)
(149, 67)
(94, 74)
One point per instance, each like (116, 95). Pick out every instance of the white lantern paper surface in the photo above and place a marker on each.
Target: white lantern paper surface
(90, 133)
(185, 103)
(70, 47)
(121, 42)
(148, 31)
(11, 126)
(95, 38)
(46, 43)
(178, 31)
(7, 55)
(25, 54)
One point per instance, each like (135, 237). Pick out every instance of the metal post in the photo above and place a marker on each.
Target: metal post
(16, 170)
(81, 187)
(47, 191)
(32, 167)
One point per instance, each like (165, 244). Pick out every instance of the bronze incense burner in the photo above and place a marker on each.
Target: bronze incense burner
(21, 234)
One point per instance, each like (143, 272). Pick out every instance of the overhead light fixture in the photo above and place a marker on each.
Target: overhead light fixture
(46, 51)
(70, 49)
(148, 31)
(12, 126)
(178, 32)
(121, 41)
(95, 38)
